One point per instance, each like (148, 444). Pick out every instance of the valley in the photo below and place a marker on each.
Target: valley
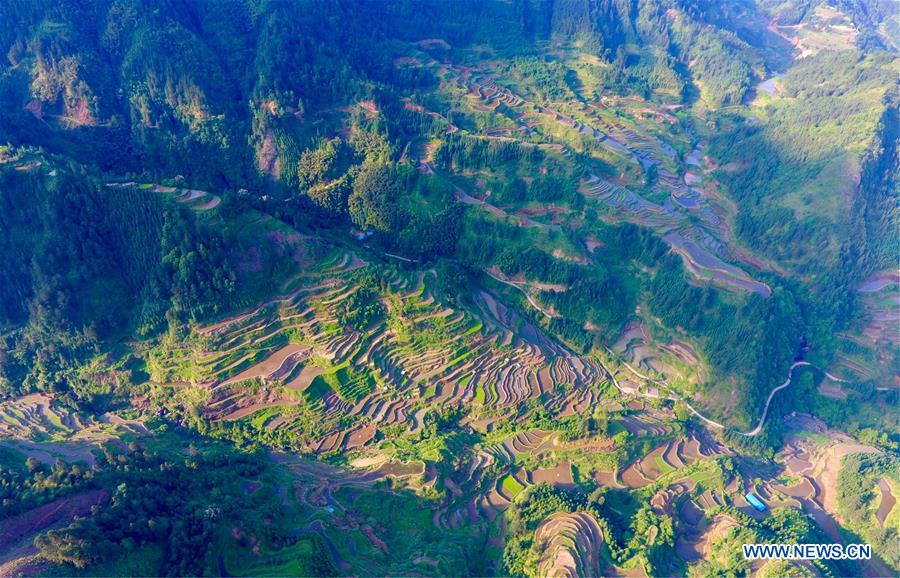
(491, 289)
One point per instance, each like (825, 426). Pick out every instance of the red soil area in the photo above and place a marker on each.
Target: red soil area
(887, 502)
(35, 108)
(307, 374)
(361, 437)
(561, 475)
(17, 528)
(287, 354)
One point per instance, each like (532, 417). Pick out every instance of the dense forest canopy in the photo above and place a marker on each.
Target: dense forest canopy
(491, 279)
(148, 86)
(227, 95)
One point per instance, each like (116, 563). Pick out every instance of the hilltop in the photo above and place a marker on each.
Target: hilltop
(483, 288)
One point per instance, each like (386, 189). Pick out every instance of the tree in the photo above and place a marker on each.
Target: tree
(79, 545)
(316, 165)
(331, 196)
(373, 202)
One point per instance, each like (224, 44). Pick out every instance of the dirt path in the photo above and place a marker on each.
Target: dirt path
(524, 221)
(672, 395)
(398, 257)
(762, 420)
(530, 299)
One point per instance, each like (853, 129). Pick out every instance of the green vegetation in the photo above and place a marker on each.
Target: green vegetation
(511, 486)
(468, 265)
(835, 111)
(154, 512)
(620, 517)
(783, 526)
(349, 384)
(27, 483)
(97, 261)
(760, 342)
(864, 483)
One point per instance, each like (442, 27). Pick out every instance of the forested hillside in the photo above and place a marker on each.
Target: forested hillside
(166, 87)
(87, 263)
(231, 96)
(300, 107)
(495, 284)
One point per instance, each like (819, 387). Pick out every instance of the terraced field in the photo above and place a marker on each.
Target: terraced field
(293, 369)
(542, 295)
(299, 371)
(814, 461)
(868, 350)
(193, 198)
(38, 426)
(294, 351)
(689, 217)
(571, 545)
(306, 377)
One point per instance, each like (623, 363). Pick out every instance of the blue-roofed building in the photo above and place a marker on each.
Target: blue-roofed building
(755, 502)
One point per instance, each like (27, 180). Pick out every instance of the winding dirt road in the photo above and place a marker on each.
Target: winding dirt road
(762, 420)
(524, 292)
